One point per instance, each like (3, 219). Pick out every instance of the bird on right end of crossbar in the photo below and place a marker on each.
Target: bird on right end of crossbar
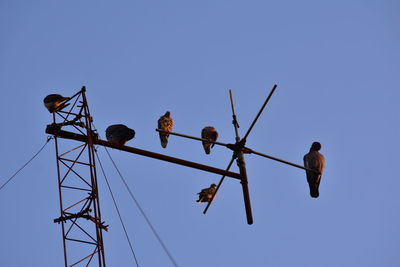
(315, 161)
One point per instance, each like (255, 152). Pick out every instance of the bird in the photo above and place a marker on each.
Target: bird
(209, 133)
(119, 134)
(206, 194)
(315, 161)
(165, 123)
(55, 102)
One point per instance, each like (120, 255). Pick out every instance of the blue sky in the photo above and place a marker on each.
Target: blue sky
(336, 66)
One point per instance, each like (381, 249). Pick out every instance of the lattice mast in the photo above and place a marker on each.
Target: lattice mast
(80, 215)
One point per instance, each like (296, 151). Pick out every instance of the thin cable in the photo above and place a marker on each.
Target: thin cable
(116, 207)
(29, 161)
(143, 213)
(140, 209)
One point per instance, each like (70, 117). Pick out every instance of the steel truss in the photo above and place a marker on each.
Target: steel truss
(80, 216)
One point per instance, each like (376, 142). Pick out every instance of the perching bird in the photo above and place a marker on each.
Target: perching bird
(165, 123)
(211, 134)
(314, 161)
(119, 134)
(54, 102)
(206, 194)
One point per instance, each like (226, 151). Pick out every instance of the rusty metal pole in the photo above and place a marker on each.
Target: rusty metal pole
(242, 165)
(244, 181)
(60, 195)
(93, 174)
(146, 153)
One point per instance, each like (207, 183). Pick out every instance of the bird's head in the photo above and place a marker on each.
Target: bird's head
(316, 146)
(167, 114)
(213, 185)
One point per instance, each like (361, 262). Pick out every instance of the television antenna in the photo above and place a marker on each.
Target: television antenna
(77, 175)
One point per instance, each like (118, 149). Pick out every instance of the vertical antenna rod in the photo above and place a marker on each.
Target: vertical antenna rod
(241, 164)
(234, 121)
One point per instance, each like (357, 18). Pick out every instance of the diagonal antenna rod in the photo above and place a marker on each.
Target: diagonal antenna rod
(259, 113)
(219, 184)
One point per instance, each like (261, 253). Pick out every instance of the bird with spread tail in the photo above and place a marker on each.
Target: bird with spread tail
(315, 161)
(119, 134)
(206, 194)
(165, 123)
(211, 134)
(54, 102)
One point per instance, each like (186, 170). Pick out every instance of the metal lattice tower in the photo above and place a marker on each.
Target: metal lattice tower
(80, 216)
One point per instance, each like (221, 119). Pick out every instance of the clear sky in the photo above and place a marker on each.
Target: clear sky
(336, 64)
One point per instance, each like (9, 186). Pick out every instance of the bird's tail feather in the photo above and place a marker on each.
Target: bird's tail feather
(164, 140)
(314, 191)
(207, 148)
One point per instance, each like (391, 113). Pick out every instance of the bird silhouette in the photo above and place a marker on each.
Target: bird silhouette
(315, 161)
(209, 133)
(206, 194)
(165, 123)
(54, 102)
(119, 134)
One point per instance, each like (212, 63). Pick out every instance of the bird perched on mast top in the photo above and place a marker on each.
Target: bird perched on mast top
(165, 123)
(209, 133)
(55, 102)
(119, 134)
(315, 161)
(206, 194)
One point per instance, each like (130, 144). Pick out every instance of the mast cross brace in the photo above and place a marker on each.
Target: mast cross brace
(82, 214)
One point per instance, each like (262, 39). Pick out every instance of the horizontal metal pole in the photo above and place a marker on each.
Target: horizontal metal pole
(248, 150)
(76, 188)
(81, 241)
(192, 137)
(83, 138)
(74, 161)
